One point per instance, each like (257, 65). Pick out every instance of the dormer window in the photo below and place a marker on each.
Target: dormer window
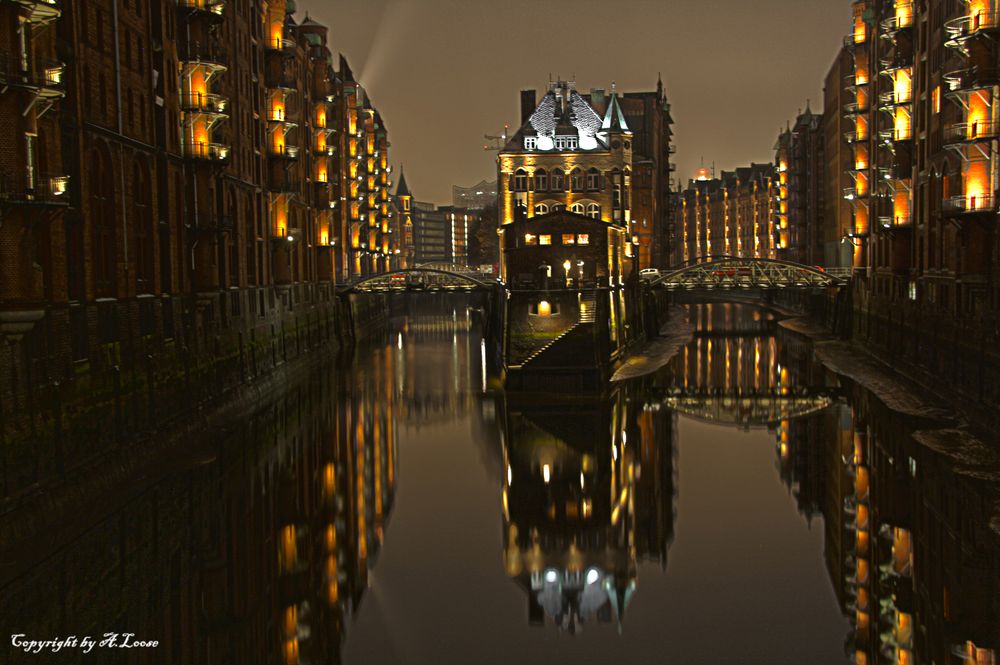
(566, 142)
(530, 142)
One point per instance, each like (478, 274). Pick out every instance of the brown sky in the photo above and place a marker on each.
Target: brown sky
(445, 72)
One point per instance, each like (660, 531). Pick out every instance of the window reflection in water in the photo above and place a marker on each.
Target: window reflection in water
(257, 543)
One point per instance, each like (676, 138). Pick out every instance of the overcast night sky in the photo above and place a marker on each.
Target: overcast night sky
(445, 72)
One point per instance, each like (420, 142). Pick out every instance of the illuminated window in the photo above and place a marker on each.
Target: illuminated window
(545, 240)
(530, 239)
(541, 209)
(579, 209)
(568, 239)
(543, 308)
(594, 211)
(566, 142)
(541, 181)
(936, 99)
(583, 239)
(530, 142)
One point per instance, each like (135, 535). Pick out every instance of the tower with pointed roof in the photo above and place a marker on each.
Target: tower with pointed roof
(404, 219)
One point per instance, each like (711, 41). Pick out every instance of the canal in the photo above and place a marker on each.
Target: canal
(742, 505)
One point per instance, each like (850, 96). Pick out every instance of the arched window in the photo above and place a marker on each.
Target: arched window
(558, 182)
(579, 209)
(593, 180)
(541, 209)
(577, 180)
(103, 248)
(520, 180)
(594, 211)
(541, 181)
(142, 220)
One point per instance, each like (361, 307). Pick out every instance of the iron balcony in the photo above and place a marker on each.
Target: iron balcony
(206, 151)
(960, 205)
(204, 102)
(964, 132)
(29, 188)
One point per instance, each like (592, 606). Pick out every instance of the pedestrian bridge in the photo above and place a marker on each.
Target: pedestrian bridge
(730, 273)
(432, 279)
(745, 408)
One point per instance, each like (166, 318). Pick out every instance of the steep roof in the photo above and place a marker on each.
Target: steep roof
(401, 188)
(553, 118)
(614, 119)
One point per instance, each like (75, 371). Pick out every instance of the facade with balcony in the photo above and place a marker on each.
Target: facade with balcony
(169, 198)
(739, 213)
(924, 140)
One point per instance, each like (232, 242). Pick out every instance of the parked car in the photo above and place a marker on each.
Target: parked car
(649, 274)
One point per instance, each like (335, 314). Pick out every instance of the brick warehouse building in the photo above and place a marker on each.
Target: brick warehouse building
(733, 215)
(184, 182)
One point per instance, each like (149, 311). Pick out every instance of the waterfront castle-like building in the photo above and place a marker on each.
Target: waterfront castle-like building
(565, 156)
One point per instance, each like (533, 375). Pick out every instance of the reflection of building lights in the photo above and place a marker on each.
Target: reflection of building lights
(510, 474)
(546, 473)
(551, 576)
(592, 576)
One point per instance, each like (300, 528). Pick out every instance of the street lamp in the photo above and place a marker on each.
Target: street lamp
(567, 264)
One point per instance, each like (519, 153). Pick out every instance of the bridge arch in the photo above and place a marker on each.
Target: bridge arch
(734, 272)
(372, 280)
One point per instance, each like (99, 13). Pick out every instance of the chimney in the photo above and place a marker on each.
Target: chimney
(528, 105)
(597, 100)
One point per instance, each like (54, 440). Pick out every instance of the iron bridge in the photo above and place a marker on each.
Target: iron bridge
(745, 408)
(432, 279)
(736, 273)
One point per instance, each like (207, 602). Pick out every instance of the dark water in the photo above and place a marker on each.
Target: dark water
(741, 506)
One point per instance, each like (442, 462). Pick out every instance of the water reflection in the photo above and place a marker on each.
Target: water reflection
(396, 511)
(587, 493)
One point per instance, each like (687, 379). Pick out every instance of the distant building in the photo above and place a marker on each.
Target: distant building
(430, 234)
(481, 195)
(733, 215)
(799, 158)
(440, 235)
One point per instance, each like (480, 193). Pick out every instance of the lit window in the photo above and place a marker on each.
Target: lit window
(530, 239)
(936, 99)
(594, 211)
(583, 239)
(530, 142)
(568, 239)
(543, 308)
(579, 209)
(541, 209)
(545, 240)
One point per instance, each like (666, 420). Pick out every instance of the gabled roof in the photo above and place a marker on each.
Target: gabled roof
(552, 118)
